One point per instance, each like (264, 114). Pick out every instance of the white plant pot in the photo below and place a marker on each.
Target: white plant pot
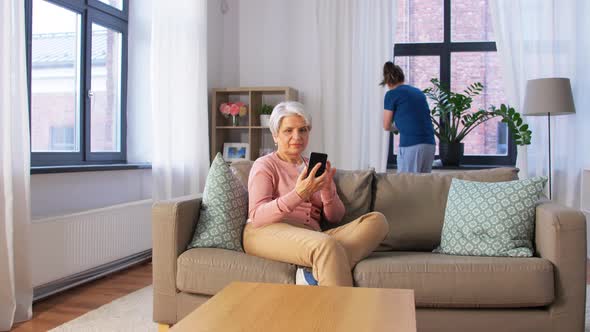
(264, 120)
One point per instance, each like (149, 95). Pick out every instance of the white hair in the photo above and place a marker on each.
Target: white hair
(287, 108)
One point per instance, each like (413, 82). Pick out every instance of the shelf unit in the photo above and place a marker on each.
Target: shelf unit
(249, 129)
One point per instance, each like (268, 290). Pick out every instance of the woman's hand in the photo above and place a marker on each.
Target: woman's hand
(307, 186)
(329, 173)
(394, 129)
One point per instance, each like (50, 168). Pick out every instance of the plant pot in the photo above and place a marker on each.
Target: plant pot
(450, 153)
(264, 120)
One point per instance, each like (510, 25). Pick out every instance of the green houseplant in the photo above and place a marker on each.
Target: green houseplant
(264, 112)
(453, 119)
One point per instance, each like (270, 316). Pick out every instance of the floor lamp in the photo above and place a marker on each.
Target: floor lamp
(547, 97)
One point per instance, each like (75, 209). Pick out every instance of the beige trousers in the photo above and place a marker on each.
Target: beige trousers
(331, 254)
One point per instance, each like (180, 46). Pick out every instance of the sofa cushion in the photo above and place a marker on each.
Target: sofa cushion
(414, 204)
(223, 210)
(208, 270)
(355, 191)
(446, 281)
(241, 170)
(491, 219)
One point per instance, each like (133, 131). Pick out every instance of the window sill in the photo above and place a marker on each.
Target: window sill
(470, 167)
(459, 168)
(88, 168)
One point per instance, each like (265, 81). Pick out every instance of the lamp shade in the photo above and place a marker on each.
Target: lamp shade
(548, 96)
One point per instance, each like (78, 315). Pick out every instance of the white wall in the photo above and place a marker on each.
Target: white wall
(65, 193)
(279, 47)
(223, 52)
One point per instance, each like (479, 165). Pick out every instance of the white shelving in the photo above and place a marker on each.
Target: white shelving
(249, 129)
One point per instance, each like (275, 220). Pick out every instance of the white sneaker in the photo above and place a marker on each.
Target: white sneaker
(303, 276)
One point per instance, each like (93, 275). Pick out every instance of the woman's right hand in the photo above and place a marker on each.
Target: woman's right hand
(307, 186)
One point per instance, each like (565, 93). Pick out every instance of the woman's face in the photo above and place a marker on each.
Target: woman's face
(292, 136)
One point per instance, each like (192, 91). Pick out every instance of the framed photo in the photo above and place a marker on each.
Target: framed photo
(236, 151)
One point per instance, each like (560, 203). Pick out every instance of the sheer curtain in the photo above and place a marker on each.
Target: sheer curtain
(355, 40)
(179, 97)
(16, 291)
(548, 38)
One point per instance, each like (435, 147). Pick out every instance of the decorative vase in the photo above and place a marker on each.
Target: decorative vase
(450, 153)
(235, 120)
(264, 120)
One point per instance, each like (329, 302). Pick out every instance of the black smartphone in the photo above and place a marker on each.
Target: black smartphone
(315, 158)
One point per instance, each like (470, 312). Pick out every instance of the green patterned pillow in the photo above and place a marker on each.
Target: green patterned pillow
(223, 210)
(491, 219)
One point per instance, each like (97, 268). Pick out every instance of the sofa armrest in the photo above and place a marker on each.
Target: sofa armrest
(560, 236)
(173, 223)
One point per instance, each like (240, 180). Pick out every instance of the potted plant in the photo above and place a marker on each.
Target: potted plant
(265, 112)
(453, 119)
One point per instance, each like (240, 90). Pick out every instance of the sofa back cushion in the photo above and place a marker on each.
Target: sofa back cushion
(414, 204)
(241, 170)
(355, 191)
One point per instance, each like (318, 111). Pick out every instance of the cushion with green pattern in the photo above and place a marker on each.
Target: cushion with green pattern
(491, 219)
(224, 210)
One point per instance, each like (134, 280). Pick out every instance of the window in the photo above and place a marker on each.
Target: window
(77, 61)
(453, 40)
(62, 139)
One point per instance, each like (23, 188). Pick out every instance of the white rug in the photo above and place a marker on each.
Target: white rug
(133, 312)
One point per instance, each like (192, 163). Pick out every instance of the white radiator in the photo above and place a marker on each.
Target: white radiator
(66, 245)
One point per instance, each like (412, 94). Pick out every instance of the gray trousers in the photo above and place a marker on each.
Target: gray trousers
(416, 158)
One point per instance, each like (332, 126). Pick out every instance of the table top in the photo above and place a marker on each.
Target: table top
(246, 306)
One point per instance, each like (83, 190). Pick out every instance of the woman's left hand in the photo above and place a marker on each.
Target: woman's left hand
(327, 186)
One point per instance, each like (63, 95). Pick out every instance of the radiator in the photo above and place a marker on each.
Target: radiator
(66, 245)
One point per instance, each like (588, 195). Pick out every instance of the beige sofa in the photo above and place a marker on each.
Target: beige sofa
(453, 293)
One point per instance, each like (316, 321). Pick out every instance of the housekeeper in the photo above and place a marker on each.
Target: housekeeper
(407, 107)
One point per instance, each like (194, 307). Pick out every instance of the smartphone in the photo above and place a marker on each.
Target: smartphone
(315, 158)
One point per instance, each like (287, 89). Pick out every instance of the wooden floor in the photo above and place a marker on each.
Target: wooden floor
(75, 302)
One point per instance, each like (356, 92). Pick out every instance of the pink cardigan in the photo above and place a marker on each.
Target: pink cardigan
(272, 196)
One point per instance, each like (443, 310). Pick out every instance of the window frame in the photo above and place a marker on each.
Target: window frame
(90, 11)
(444, 50)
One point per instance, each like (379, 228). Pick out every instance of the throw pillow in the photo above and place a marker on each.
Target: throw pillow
(224, 210)
(491, 219)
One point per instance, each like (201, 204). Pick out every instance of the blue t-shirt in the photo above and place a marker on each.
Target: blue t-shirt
(411, 115)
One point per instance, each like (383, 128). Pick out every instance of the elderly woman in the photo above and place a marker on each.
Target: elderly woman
(286, 206)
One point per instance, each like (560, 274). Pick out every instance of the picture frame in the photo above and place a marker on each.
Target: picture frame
(236, 151)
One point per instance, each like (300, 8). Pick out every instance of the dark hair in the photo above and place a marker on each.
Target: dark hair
(392, 74)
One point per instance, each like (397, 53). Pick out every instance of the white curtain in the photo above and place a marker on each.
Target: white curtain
(355, 40)
(179, 97)
(16, 292)
(548, 38)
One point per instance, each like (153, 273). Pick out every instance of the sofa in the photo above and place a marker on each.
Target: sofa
(453, 293)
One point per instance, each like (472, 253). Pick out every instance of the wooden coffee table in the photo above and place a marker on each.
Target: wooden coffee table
(244, 306)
